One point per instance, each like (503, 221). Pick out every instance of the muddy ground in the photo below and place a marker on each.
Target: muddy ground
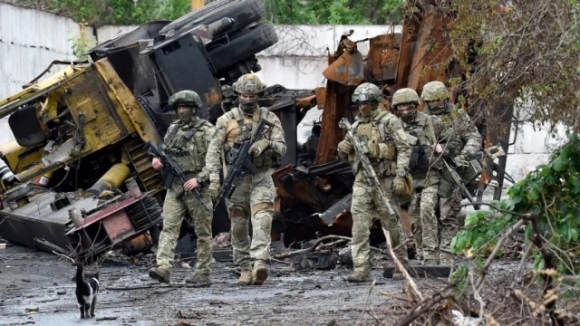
(37, 288)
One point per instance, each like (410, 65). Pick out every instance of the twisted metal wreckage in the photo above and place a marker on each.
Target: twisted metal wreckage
(85, 126)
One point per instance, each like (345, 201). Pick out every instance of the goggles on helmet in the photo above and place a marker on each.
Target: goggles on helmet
(361, 98)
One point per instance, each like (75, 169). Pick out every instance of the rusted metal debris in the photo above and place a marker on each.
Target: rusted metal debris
(314, 201)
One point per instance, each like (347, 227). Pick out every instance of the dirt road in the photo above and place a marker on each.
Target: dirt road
(37, 288)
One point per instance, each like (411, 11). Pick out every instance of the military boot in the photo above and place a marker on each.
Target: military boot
(359, 277)
(246, 277)
(198, 280)
(160, 274)
(260, 273)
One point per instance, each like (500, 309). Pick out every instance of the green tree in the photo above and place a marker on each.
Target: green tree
(135, 12)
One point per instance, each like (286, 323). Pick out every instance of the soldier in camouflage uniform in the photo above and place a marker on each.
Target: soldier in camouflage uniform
(389, 154)
(254, 194)
(435, 96)
(424, 166)
(186, 142)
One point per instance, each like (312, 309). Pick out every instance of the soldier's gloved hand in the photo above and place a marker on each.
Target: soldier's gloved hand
(399, 185)
(258, 147)
(214, 190)
(345, 147)
(460, 160)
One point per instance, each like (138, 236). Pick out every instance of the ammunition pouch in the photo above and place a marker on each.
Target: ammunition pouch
(470, 171)
(267, 159)
(445, 188)
(390, 152)
(419, 160)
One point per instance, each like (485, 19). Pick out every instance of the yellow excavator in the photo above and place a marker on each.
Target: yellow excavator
(76, 179)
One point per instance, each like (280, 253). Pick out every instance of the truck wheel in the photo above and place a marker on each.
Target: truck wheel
(243, 47)
(196, 14)
(244, 12)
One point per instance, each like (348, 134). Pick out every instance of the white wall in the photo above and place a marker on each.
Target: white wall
(31, 39)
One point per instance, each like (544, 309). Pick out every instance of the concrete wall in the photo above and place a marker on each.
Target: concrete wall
(30, 40)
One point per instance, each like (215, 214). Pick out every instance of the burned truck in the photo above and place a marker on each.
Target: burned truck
(83, 180)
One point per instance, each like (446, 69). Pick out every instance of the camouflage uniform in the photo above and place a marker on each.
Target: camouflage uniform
(254, 194)
(389, 152)
(424, 166)
(435, 96)
(186, 141)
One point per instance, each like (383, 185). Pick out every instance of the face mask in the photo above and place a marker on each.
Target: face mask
(436, 107)
(186, 115)
(248, 105)
(409, 114)
(367, 108)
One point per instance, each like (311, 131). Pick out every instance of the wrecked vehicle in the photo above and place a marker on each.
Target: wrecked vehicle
(84, 181)
(85, 127)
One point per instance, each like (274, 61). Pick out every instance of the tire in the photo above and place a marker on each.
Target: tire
(244, 12)
(243, 47)
(196, 14)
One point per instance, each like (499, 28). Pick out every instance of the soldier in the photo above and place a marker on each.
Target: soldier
(424, 167)
(254, 194)
(388, 152)
(186, 141)
(435, 96)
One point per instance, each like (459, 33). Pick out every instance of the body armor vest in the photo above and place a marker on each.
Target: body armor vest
(375, 130)
(186, 144)
(240, 129)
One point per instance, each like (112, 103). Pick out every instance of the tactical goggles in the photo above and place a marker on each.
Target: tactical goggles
(361, 98)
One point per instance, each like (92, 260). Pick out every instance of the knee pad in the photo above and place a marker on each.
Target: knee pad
(268, 207)
(237, 212)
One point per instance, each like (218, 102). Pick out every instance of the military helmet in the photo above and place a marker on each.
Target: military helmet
(367, 92)
(185, 98)
(249, 83)
(405, 95)
(434, 91)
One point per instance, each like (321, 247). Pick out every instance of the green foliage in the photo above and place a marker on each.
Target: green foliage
(115, 12)
(553, 192)
(347, 12)
(136, 12)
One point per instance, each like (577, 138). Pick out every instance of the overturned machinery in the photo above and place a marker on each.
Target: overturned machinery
(84, 183)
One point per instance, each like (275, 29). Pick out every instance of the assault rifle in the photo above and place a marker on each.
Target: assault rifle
(241, 160)
(451, 174)
(362, 151)
(172, 171)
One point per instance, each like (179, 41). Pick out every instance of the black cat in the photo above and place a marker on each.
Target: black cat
(86, 292)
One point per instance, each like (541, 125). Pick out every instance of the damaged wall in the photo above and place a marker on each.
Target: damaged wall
(297, 61)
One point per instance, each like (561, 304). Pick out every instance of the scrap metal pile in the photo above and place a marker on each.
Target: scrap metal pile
(314, 199)
(93, 118)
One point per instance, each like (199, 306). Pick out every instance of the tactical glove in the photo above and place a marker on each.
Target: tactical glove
(460, 160)
(214, 190)
(258, 147)
(345, 147)
(399, 185)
